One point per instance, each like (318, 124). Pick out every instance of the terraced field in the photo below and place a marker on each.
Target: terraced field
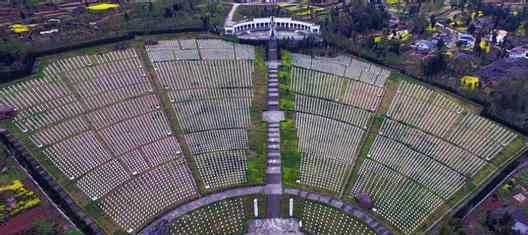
(416, 151)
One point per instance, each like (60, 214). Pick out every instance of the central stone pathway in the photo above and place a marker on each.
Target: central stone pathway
(274, 227)
(273, 117)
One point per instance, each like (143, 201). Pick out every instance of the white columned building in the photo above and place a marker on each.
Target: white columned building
(281, 23)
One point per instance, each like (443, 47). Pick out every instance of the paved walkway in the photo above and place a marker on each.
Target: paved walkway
(229, 19)
(201, 202)
(343, 206)
(273, 117)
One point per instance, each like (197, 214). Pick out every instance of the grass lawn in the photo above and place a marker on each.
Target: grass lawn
(257, 134)
(514, 148)
(290, 155)
(256, 161)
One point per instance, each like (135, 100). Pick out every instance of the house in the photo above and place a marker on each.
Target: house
(520, 198)
(402, 35)
(470, 82)
(423, 46)
(519, 52)
(520, 220)
(467, 40)
(501, 36)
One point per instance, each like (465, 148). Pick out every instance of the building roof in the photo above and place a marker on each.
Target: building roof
(519, 215)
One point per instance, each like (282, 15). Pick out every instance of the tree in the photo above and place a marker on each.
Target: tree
(93, 209)
(394, 46)
(432, 20)
(120, 233)
(454, 226)
(11, 51)
(42, 227)
(476, 48)
(357, 17)
(434, 64)
(471, 29)
(462, 4)
(420, 24)
(440, 45)
(205, 21)
(344, 24)
(500, 223)
(167, 12)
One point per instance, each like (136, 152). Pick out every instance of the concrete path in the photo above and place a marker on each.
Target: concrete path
(229, 19)
(350, 209)
(201, 202)
(273, 117)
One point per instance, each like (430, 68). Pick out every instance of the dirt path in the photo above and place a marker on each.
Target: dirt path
(229, 18)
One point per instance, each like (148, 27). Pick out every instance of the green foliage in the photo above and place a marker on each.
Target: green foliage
(510, 151)
(284, 73)
(286, 59)
(120, 232)
(40, 71)
(356, 17)
(434, 65)
(256, 162)
(522, 177)
(500, 224)
(378, 120)
(505, 189)
(217, 13)
(75, 232)
(397, 76)
(454, 226)
(11, 51)
(260, 59)
(284, 76)
(230, 38)
(31, 3)
(420, 25)
(257, 11)
(286, 104)
(43, 227)
(255, 172)
(93, 209)
(11, 174)
(291, 157)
